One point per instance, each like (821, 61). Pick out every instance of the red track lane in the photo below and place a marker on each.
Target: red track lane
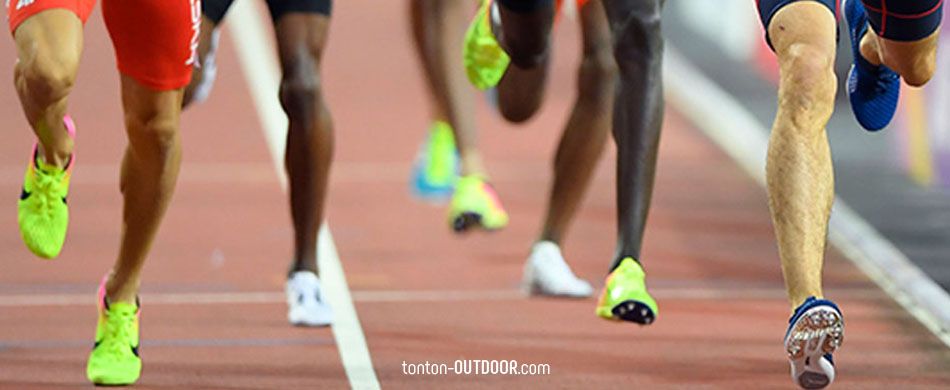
(228, 231)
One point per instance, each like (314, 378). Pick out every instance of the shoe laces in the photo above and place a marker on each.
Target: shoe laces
(47, 190)
(883, 81)
(119, 331)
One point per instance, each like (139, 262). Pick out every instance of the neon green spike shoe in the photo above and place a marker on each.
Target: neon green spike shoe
(485, 60)
(42, 211)
(625, 297)
(476, 204)
(436, 169)
(115, 357)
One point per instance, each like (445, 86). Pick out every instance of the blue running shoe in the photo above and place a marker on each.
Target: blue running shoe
(815, 331)
(436, 169)
(873, 90)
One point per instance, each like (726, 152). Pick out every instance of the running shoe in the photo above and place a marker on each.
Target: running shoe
(625, 296)
(485, 60)
(115, 357)
(475, 204)
(42, 211)
(305, 301)
(873, 90)
(437, 166)
(546, 273)
(814, 332)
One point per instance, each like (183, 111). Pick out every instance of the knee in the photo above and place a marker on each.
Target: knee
(809, 82)
(597, 75)
(638, 39)
(51, 75)
(519, 112)
(299, 94)
(153, 133)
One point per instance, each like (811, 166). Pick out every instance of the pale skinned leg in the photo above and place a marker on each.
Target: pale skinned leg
(149, 172)
(799, 167)
(438, 28)
(915, 61)
(49, 45)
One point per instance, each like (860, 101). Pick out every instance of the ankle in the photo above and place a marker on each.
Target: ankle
(58, 158)
(869, 49)
(303, 266)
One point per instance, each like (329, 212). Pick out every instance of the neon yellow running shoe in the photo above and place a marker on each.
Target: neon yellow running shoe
(625, 296)
(485, 60)
(115, 358)
(42, 211)
(436, 169)
(476, 204)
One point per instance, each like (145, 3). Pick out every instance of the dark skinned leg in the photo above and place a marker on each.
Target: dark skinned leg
(525, 36)
(301, 38)
(585, 134)
(638, 114)
(525, 30)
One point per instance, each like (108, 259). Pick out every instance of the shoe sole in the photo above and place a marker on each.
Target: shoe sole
(99, 382)
(633, 311)
(818, 332)
(534, 289)
(467, 221)
(310, 324)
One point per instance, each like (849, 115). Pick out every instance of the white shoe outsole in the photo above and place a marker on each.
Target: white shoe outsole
(819, 331)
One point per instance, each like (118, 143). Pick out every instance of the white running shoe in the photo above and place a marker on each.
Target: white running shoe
(546, 273)
(305, 301)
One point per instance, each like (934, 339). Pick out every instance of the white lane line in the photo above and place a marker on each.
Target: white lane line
(730, 125)
(256, 54)
(690, 293)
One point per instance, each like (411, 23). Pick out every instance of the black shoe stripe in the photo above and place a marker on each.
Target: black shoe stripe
(24, 195)
(135, 349)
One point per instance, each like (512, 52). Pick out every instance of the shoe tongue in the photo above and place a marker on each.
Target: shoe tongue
(305, 277)
(122, 308)
(473, 180)
(47, 168)
(548, 254)
(631, 267)
(547, 248)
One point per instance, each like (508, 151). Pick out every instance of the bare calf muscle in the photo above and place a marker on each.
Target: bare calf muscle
(48, 48)
(799, 174)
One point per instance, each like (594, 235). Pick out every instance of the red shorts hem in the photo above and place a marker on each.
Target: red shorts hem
(17, 13)
(160, 85)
